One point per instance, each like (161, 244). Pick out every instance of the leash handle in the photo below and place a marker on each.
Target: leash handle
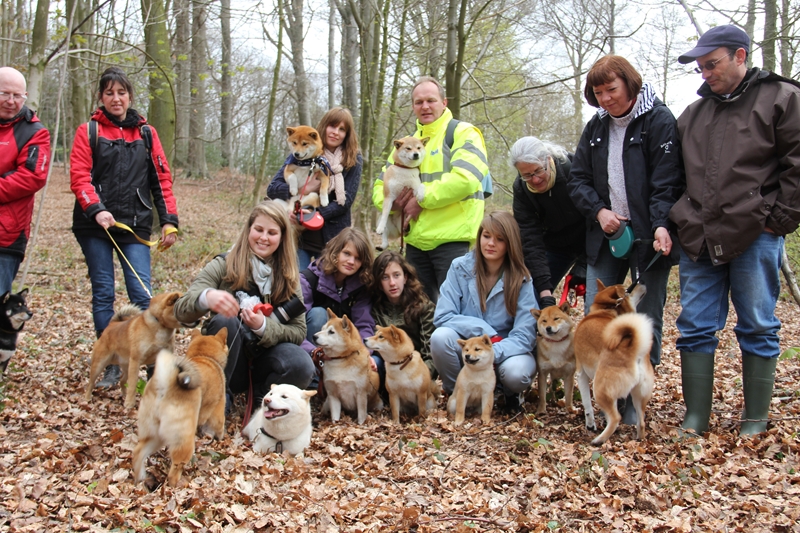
(169, 231)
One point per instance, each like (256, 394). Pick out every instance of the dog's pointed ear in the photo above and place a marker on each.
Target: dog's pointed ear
(487, 340)
(173, 297)
(536, 312)
(331, 314)
(565, 308)
(290, 131)
(600, 285)
(222, 335)
(395, 331)
(461, 342)
(195, 332)
(23, 292)
(398, 143)
(272, 386)
(313, 134)
(346, 323)
(6, 295)
(308, 394)
(425, 140)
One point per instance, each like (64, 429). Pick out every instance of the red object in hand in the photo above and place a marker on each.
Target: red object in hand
(496, 338)
(264, 309)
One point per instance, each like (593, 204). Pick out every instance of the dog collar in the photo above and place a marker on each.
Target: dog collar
(401, 166)
(404, 362)
(278, 443)
(329, 358)
(554, 340)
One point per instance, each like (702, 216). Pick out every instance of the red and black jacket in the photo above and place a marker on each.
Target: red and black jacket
(24, 160)
(117, 178)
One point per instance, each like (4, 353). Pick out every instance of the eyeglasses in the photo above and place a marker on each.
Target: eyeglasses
(15, 96)
(542, 172)
(710, 65)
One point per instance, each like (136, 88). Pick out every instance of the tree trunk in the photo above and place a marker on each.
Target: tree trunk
(770, 34)
(786, 43)
(162, 99)
(81, 87)
(38, 59)
(197, 121)
(181, 11)
(331, 53)
(294, 29)
(350, 63)
(226, 98)
(750, 28)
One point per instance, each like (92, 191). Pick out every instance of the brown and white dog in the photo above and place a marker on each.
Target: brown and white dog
(306, 146)
(474, 388)
(408, 379)
(408, 156)
(612, 347)
(133, 338)
(349, 380)
(555, 351)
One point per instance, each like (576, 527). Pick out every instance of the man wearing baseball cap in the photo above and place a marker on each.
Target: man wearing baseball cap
(741, 154)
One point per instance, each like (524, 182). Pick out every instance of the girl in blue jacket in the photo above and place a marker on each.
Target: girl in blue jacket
(489, 291)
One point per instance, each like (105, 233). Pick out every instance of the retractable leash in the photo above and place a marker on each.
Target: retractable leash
(659, 253)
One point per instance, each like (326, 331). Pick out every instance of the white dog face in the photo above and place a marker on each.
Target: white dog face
(283, 400)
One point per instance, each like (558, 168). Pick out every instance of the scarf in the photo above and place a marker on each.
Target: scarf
(262, 274)
(550, 181)
(132, 119)
(337, 181)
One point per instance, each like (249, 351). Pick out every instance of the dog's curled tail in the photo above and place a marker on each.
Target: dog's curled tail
(126, 312)
(171, 368)
(631, 330)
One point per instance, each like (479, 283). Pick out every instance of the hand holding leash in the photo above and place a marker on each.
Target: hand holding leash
(662, 242)
(222, 302)
(105, 219)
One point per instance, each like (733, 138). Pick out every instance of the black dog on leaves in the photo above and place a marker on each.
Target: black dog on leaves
(13, 314)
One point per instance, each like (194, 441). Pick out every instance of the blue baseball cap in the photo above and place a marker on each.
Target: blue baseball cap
(727, 35)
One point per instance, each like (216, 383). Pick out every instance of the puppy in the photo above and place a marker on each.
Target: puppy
(283, 422)
(133, 338)
(476, 380)
(349, 380)
(185, 393)
(408, 155)
(14, 313)
(305, 144)
(612, 347)
(408, 379)
(555, 351)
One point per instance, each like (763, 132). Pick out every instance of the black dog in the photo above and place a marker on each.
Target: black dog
(13, 315)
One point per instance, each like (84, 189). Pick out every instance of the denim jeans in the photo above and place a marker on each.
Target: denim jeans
(99, 255)
(514, 374)
(611, 271)
(432, 266)
(753, 282)
(9, 266)
(303, 259)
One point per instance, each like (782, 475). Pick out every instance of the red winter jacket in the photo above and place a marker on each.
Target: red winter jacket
(121, 182)
(23, 171)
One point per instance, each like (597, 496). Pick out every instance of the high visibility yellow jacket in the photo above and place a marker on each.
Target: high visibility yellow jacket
(452, 209)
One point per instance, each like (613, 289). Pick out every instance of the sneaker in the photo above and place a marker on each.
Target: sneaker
(110, 377)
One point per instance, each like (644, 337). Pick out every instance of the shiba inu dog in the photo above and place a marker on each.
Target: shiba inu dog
(306, 147)
(408, 379)
(185, 393)
(408, 155)
(475, 383)
(14, 313)
(349, 380)
(555, 351)
(612, 347)
(133, 338)
(283, 422)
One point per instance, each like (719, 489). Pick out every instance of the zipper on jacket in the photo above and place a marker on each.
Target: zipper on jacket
(160, 163)
(135, 218)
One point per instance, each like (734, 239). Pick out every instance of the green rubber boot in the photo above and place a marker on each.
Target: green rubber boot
(697, 380)
(758, 378)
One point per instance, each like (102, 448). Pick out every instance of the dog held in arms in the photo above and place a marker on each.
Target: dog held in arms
(555, 352)
(404, 173)
(408, 380)
(133, 338)
(612, 347)
(14, 313)
(283, 422)
(184, 394)
(474, 388)
(349, 380)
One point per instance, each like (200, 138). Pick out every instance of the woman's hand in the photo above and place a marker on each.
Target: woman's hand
(168, 239)
(222, 302)
(105, 219)
(253, 320)
(662, 241)
(609, 220)
(372, 364)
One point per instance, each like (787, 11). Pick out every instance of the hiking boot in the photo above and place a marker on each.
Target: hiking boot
(110, 377)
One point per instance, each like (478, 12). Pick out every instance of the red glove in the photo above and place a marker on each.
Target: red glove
(496, 338)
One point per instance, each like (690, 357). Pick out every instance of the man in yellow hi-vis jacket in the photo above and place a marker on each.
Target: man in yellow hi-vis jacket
(453, 171)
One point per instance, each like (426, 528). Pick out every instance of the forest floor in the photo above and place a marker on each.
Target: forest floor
(65, 464)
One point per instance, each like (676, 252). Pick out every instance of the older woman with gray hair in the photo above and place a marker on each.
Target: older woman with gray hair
(553, 230)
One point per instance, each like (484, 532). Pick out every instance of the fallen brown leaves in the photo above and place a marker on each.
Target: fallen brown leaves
(65, 464)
